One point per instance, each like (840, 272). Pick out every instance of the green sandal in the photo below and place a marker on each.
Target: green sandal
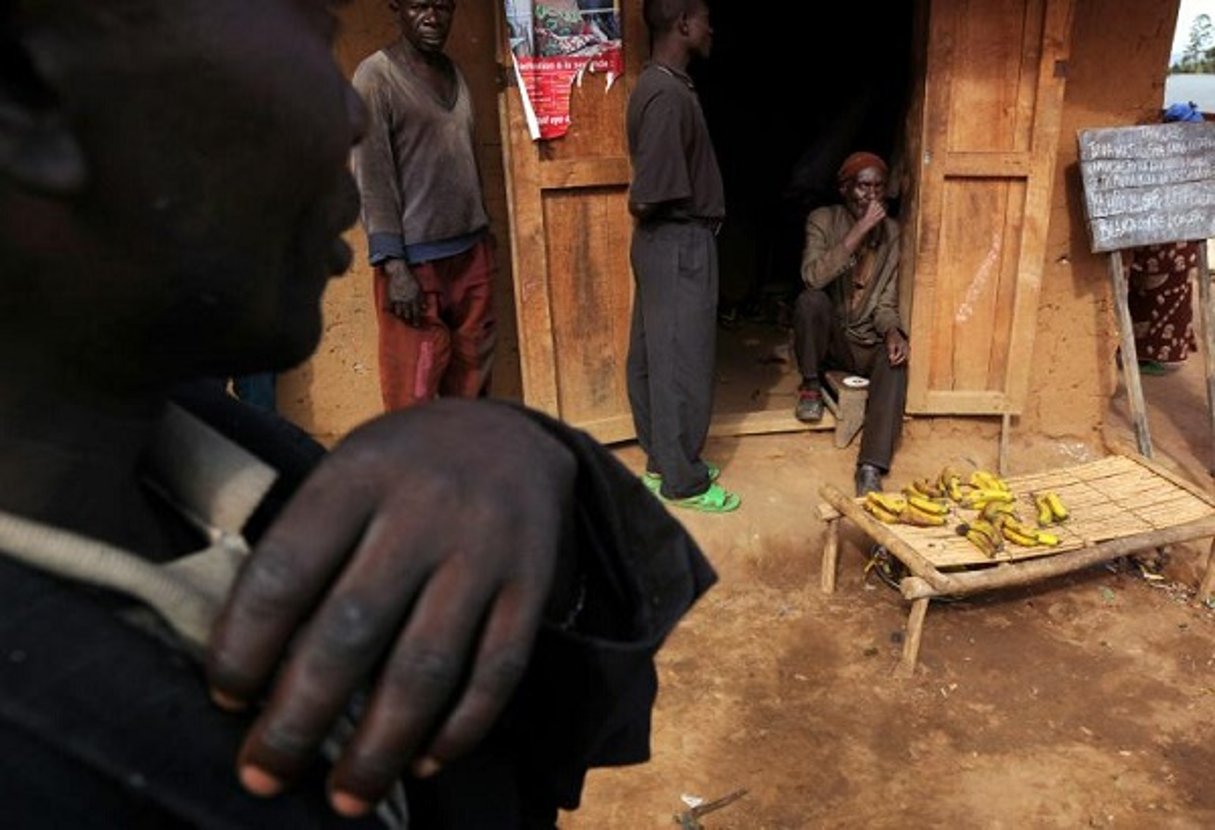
(714, 500)
(653, 481)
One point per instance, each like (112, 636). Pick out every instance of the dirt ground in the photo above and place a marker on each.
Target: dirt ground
(1088, 701)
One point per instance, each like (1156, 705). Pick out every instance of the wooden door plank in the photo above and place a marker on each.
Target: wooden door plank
(1056, 43)
(990, 47)
(966, 402)
(560, 175)
(1001, 352)
(591, 292)
(911, 161)
(993, 104)
(938, 74)
(529, 259)
(1001, 164)
(568, 215)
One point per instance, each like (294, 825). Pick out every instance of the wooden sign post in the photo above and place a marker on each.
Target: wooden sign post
(1148, 186)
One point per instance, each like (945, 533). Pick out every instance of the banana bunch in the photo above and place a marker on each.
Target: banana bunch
(951, 483)
(998, 521)
(983, 480)
(926, 503)
(924, 488)
(909, 508)
(1051, 509)
(989, 536)
(1026, 536)
(983, 535)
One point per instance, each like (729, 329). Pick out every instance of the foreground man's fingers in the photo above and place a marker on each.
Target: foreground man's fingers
(420, 585)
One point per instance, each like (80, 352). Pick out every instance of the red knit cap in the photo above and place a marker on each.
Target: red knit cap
(857, 162)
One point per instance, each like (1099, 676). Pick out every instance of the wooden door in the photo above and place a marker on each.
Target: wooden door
(570, 231)
(975, 243)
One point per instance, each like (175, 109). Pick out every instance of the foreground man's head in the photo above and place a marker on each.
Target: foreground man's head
(173, 182)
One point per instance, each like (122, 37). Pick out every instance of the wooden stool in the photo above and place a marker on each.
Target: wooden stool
(849, 407)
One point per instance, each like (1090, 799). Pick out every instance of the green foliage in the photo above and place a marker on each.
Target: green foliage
(1199, 54)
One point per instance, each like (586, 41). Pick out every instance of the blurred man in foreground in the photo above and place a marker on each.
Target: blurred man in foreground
(174, 186)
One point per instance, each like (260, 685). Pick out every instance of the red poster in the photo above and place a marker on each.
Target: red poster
(554, 43)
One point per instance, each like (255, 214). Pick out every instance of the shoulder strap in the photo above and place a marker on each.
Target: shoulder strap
(213, 483)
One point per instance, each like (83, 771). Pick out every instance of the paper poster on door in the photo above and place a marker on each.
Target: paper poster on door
(554, 43)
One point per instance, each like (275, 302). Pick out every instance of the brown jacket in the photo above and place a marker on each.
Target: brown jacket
(825, 260)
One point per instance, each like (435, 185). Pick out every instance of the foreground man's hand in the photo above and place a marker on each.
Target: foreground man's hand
(414, 564)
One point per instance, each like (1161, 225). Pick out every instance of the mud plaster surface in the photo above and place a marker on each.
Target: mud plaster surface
(1087, 701)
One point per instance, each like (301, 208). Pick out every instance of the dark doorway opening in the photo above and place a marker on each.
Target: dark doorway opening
(791, 90)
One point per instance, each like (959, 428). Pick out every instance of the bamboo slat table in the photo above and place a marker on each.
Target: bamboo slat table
(1119, 505)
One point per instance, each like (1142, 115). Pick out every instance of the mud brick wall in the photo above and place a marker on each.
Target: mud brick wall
(1120, 49)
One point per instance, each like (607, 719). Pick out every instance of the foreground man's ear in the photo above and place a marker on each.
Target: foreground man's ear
(39, 152)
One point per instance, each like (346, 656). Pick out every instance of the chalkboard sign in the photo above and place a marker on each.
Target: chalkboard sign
(1148, 185)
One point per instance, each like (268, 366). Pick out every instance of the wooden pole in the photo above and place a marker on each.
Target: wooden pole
(911, 640)
(831, 552)
(1005, 429)
(1130, 361)
(1207, 313)
(881, 534)
(1206, 588)
(1035, 570)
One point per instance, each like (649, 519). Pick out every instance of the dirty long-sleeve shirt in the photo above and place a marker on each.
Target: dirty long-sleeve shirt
(828, 265)
(416, 167)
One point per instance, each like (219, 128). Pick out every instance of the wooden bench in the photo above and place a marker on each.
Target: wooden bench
(847, 403)
(1119, 505)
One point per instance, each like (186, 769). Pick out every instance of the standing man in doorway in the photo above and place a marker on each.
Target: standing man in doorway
(678, 201)
(427, 228)
(847, 316)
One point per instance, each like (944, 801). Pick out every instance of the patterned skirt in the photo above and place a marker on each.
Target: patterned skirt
(1160, 300)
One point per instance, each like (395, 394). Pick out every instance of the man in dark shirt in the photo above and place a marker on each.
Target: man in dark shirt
(172, 197)
(678, 201)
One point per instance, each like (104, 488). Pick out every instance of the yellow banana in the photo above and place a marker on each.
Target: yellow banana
(888, 502)
(913, 515)
(991, 530)
(1057, 508)
(928, 505)
(1027, 537)
(986, 540)
(1014, 533)
(978, 499)
(943, 478)
(929, 488)
(880, 513)
(984, 480)
(1046, 516)
(992, 510)
(954, 488)
(997, 482)
(981, 542)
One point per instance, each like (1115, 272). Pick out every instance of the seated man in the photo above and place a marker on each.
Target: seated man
(454, 613)
(847, 317)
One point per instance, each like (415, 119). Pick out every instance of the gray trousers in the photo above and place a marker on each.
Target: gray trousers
(672, 350)
(821, 344)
